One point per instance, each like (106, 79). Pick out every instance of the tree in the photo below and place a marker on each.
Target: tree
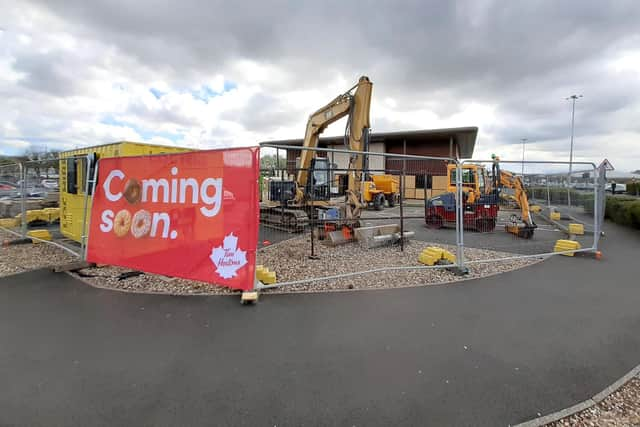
(40, 161)
(268, 163)
(7, 161)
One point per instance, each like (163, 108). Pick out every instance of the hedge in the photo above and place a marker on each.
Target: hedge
(623, 211)
(633, 188)
(559, 196)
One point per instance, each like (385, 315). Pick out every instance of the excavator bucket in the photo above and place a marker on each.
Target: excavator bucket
(520, 231)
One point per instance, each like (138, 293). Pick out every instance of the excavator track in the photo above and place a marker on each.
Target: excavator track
(289, 220)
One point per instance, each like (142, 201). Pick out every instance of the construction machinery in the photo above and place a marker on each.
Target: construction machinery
(293, 202)
(380, 188)
(480, 201)
(481, 195)
(523, 225)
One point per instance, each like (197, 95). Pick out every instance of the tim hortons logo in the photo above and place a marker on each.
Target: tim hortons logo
(227, 258)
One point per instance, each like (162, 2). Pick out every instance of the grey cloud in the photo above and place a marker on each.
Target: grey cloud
(45, 73)
(521, 57)
(265, 113)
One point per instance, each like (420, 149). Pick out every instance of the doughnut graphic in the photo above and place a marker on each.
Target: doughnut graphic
(122, 223)
(132, 191)
(141, 224)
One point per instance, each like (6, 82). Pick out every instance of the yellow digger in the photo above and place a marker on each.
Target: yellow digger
(291, 203)
(481, 195)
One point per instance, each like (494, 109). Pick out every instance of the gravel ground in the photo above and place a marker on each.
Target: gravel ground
(19, 258)
(288, 259)
(620, 409)
(291, 262)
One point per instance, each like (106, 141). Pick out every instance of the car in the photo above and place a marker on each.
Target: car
(620, 188)
(6, 186)
(51, 184)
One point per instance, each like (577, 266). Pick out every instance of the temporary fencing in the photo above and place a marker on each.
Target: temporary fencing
(30, 202)
(494, 223)
(539, 204)
(414, 213)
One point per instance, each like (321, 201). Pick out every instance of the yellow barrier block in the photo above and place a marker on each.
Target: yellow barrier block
(9, 222)
(434, 251)
(269, 278)
(427, 259)
(264, 275)
(555, 216)
(566, 245)
(432, 254)
(576, 229)
(39, 234)
(52, 214)
(449, 256)
(34, 215)
(535, 208)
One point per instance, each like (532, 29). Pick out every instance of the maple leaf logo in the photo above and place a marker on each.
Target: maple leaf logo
(227, 258)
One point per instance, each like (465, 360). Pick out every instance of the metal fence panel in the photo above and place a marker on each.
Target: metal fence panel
(304, 235)
(30, 200)
(12, 203)
(529, 213)
(416, 202)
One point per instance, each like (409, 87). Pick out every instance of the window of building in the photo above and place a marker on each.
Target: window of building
(424, 181)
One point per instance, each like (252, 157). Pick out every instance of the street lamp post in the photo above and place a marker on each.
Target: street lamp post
(524, 140)
(573, 115)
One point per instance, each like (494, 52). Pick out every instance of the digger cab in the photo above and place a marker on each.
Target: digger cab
(474, 179)
(319, 179)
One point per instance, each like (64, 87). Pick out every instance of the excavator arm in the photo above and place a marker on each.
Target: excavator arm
(506, 179)
(509, 180)
(356, 104)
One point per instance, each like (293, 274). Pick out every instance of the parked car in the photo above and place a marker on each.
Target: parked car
(6, 186)
(51, 184)
(620, 188)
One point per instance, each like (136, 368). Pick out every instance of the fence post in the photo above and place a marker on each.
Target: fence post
(459, 219)
(94, 180)
(312, 211)
(548, 192)
(23, 199)
(599, 208)
(83, 235)
(401, 198)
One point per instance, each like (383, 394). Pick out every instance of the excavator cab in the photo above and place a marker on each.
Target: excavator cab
(319, 180)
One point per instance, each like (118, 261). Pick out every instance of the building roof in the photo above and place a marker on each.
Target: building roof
(464, 137)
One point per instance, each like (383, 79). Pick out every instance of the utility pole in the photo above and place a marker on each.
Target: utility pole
(573, 115)
(524, 140)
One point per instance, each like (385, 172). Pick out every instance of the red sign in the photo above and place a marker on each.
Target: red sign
(192, 215)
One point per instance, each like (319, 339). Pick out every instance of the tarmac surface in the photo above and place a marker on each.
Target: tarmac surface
(542, 242)
(494, 351)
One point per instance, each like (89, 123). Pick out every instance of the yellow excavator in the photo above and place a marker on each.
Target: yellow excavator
(522, 226)
(291, 203)
(481, 195)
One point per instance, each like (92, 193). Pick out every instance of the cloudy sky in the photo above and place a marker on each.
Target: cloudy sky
(205, 73)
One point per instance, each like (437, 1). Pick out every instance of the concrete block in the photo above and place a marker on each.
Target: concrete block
(363, 234)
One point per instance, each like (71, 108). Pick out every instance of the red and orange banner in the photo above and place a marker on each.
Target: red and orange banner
(193, 215)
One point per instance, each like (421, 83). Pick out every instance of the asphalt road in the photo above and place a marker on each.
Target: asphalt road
(488, 352)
